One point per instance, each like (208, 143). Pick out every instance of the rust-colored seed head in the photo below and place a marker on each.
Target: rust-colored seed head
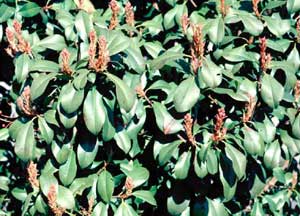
(115, 11)
(265, 58)
(185, 21)
(188, 126)
(65, 56)
(32, 175)
(219, 130)
(24, 102)
(255, 7)
(129, 14)
(52, 197)
(103, 55)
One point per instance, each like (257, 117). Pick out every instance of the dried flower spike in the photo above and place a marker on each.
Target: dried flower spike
(52, 197)
(250, 107)
(129, 14)
(32, 175)
(197, 49)
(24, 102)
(219, 130)
(115, 11)
(185, 21)
(188, 126)
(92, 49)
(65, 56)
(265, 58)
(255, 7)
(103, 55)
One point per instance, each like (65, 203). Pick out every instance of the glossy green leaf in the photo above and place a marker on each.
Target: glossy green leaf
(83, 24)
(293, 6)
(146, 196)
(71, 98)
(253, 142)
(87, 151)
(125, 95)
(93, 111)
(65, 198)
(100, 210)
(210, 75)
(123, 141)
(186, 95)
(55, 42)
(271, 91)
(272, 155)
(238, 160)
(5, 12)
(125, 210)
(30, 9)
(46, 132)
(22, 67)
(39, 85)
(164, 58)
(216, 31)
(67, 171)
(105, 185)
(25, 146)
(44, 66)
(165, 122)
(182, 166)
(216, 208)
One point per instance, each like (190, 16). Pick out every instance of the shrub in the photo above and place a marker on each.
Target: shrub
(150, 107)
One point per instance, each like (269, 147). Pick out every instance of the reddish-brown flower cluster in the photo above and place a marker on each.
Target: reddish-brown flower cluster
(188, 126)
(219, 130)
(297, 91)
(255, 7)
(24, 102)
(250, 107)
(197, 49)
(32, 175)
(265, 58)
(98, 64)
(115, 11)
(129, 185)
(65, 57)
(129, 14)
(298, 29)
(16, 42)
(142, 94)
(185, 22)
(52, 197)
(223, 8)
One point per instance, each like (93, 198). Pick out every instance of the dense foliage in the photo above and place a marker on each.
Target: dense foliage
(163, 107)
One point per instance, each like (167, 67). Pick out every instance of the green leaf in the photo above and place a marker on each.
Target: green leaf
(5, 12)
(67, 120)
(164, 58)
(100, 210)
(212, 162)
(257, 209)
(252, 25)
(216, 30)
(4, 134)
(239, 54)
(253, 142)
(146, 196)
(166, 151)
(46, 132)
(30, 9)
(200, 168)
(87, 151)
(125, 210)
(46, 180)
(296, 127)
(22, 67)
(165, 122)
(266, 129)
(139, 175)
(117, 42)
(271, 91)
(25, 146)
(123, 141)
(70, 98)
(44, 66)
(67, 171)
(4, 183)
(83, 24)
(39, 85)
(238, 159)
(293, 6)
(186, 95)
(210, 75)
(125, 95)
(105, 185)
(93, 111)
(134, 58)
(272, 155)
(60, 153)
(277, 26)
(65, 198)
(19, 193)
(55, 42)
(182, 166)
(169, 18)
(215, 207)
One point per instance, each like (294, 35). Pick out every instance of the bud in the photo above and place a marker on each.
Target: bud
(32, 175)
(255, 7)
(185, 21)
(114, 18)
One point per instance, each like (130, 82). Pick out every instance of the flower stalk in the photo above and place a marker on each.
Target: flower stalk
(265, 58)
(32, 175)
(65, 56)
(52, 198)
(24, 102)
(115, 11)
(188, 126)
(197, 49)
(219, 129)
(255, 8)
